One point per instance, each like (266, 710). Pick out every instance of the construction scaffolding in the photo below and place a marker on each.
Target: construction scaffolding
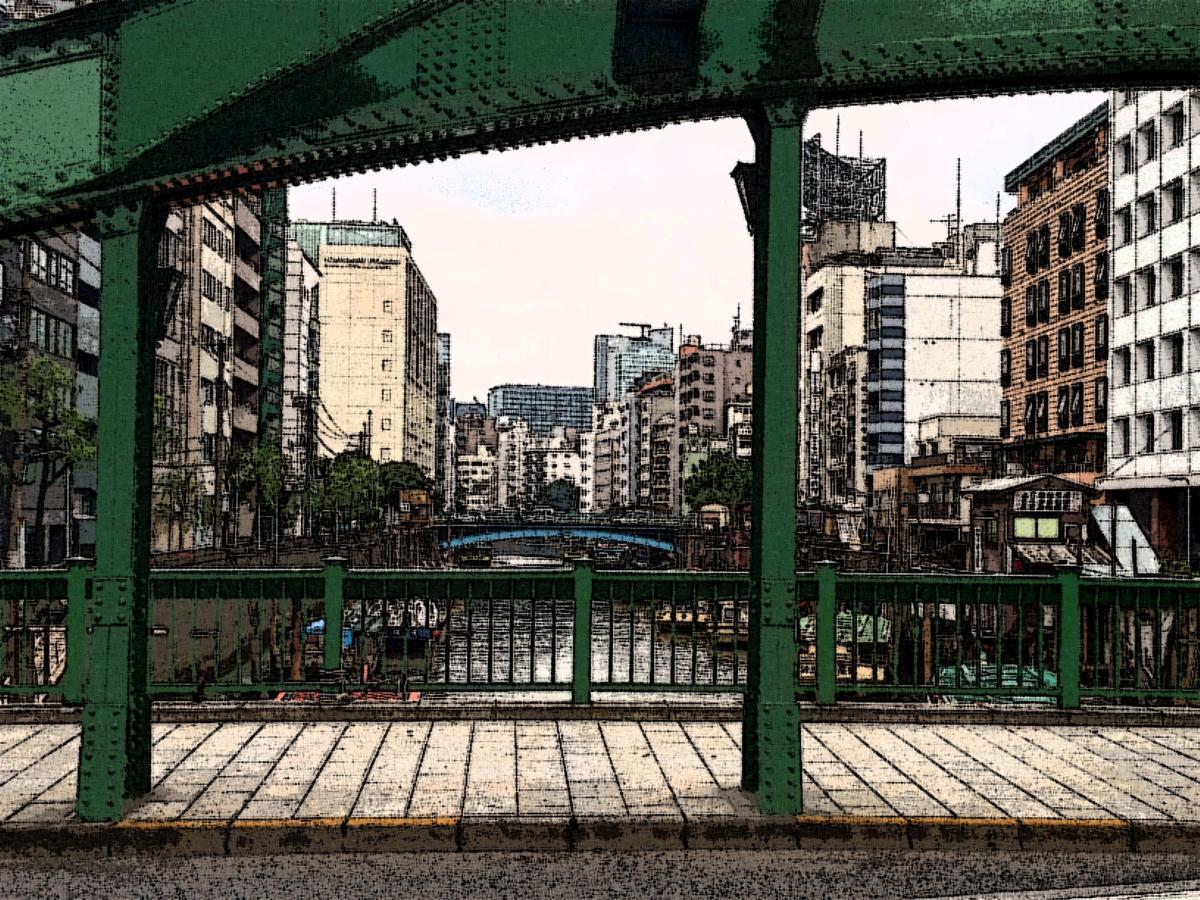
(841, 188)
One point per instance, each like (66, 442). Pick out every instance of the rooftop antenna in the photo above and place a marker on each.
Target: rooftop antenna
(860, 156)
(837, 137)
(334, 217)
(998, 234)
(374, 205)
(958, 244)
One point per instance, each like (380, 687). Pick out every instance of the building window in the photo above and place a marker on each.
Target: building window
(1064, 349)
(385, 365)
(1100, 399)
(1125, 156)
(1043, 412)
(1063, 408)
(1005, 265)
(385, 424)
(387, 306)
(1147, 143)
(1031, 414)
(1101, 332)
(1030, 360)
(1173, 276)
(1100, 214)
(385, 454)
(1145, 361)
(1005, 416)
(1120, 437)
(1147, 287)
(1173, 203)
(1124, 295)
(1005, 316)
(387, 335)
(1124, 226)
(1064, 291)
(1145, 434)
(1147, 215)
(1031, 252)
(814, 300)
(1078, 226)
(1123, 366)
(1077, 345)
(1194, 427)
(1077, 405)
(1044, 246)
(1172, 429)
(1175, 125)
(1031, 297)
(1043, 300)
(1064, 235)
(1100, 276)
(1005, 368)
(1078, 286)
(1172, 354)
(385, 395)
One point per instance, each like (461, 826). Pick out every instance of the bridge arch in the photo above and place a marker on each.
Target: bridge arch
(595, 534)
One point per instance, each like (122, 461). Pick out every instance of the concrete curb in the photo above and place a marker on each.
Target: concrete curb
(453, 834)
(844, 713)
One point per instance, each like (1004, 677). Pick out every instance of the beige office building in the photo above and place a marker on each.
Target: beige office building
(378, 326)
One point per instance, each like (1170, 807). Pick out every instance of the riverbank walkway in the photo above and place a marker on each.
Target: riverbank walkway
(257, 787)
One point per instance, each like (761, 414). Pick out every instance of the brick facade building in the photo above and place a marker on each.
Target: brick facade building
(1054, 317)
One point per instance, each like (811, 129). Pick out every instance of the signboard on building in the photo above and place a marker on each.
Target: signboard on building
(1047, 501)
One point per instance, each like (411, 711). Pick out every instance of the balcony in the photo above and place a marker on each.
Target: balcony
(245, 370)
(247, 273)
(245, 418)
(245, 321)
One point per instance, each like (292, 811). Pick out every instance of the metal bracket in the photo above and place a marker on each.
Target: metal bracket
(778, 600)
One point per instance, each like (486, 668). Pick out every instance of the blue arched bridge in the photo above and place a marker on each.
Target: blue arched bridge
(557, 531)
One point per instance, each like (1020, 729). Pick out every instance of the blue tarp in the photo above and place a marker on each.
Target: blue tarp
(318, 627)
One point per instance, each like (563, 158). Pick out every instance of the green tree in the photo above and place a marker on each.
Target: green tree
(561, 496)
(400, 476)
(353, 487)
(43, 436)
(718, 478)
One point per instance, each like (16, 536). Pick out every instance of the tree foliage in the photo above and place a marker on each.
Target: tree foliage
(561, 496)
(718, 478)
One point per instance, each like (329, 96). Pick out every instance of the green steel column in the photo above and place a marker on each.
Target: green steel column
(1068, 637)
(581, 660)
(335, 604)
(826, 634)
(770, 729)
(114, 754)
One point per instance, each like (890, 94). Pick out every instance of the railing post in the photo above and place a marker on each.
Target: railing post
(826, 634)
(1069, 636)
(770, 717)
(78, 570)
(335, 576)
(581, 657)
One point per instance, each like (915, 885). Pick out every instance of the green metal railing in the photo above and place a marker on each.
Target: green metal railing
(953, 638)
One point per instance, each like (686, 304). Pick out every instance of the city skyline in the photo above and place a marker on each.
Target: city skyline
(691, 254)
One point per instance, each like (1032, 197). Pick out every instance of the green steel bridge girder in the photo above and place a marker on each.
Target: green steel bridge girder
(135, 99)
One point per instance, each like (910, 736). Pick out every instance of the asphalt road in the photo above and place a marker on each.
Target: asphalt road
(748, 875)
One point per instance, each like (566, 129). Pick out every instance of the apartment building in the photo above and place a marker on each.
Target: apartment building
(890, 335)
(708, 378)
(604, 465)
(1055, 313)
(378, 337)
(514, 444)
(1154, 412)
(475, 480)
(654, 427)
(443, 466)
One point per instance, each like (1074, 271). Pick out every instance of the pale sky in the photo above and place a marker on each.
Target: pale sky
(532, 252)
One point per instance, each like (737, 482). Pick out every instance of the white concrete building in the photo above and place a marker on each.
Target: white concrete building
(300, 331)
(475, 479)
(514, 440)
(1154, 366)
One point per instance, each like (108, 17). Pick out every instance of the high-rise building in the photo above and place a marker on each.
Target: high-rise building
(543, 407)
(1154, 415)
(1055, 316)
(378, 337)
(301, 366)
(620, 359)
(604, 467)
(443, 467)
(514, 442)
(654, 428)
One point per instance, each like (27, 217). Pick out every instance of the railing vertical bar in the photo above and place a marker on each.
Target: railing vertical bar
(674, 629)
(237, 625)
(470, 609)
(46, 634)
(1178, 644)
(1041, 636)
(1137, 640)
(532, 633)
(22, 623)
(612, 630)
(629, 598)
(1157, 631)
(1019, 593)
(491, 629)
(192, 640)
(512, 638)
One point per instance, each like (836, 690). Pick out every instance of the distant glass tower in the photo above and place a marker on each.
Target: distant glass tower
(620, 359)
(544, 407)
